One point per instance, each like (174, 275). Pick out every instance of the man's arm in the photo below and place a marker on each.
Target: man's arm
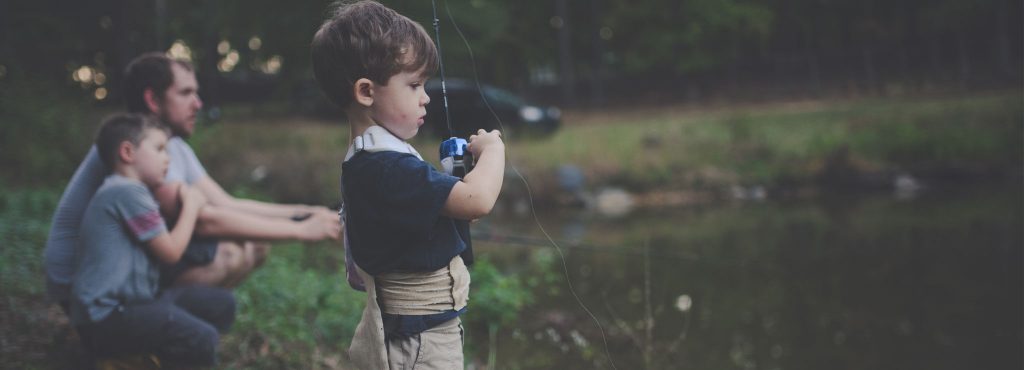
(220, 198)
(219, 221)
(231, 223)
(168, 247)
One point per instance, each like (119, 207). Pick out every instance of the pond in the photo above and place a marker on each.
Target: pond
(838, 282)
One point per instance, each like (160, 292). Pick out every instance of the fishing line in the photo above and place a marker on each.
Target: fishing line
(508, 150)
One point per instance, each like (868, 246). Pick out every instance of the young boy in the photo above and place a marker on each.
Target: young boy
(403, 217)
(115, 305)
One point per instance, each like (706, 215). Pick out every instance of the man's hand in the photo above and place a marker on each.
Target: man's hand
(322, 224)
(484, 140)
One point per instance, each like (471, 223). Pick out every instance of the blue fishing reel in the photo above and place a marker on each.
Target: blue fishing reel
(456, 160)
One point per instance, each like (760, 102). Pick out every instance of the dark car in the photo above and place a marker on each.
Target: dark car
(469, 113)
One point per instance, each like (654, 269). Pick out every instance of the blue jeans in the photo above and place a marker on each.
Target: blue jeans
(180, 327)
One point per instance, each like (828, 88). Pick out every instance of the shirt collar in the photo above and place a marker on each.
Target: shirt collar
(378, 139)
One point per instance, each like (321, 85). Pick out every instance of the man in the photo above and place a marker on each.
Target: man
(167, 89)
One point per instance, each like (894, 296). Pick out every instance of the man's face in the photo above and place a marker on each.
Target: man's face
(181, 102)
(401, 105)
(150, 158)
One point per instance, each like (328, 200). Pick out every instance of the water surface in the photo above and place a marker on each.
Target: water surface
(858, 282)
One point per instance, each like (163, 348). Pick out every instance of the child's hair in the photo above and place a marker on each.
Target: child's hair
(149, 71)
(367, 40)
(121, 127)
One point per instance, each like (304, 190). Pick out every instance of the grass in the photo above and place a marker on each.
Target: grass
(671, 148)
(767, 145)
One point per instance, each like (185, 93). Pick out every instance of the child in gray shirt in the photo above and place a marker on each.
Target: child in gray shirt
(115, 302)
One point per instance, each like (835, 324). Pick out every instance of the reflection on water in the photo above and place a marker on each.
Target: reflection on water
(864, 283)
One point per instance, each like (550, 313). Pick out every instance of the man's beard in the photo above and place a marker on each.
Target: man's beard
(175, 129)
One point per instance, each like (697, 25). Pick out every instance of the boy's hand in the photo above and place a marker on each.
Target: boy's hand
(168, 197)
(484, 140)
(191, 196)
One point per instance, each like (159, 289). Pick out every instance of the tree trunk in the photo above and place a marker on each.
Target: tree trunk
(1003, 38)
(813, 70)
(935, 57)
(870, 73)
(161, 23)
(209, 75)
(565, 65)
(600, 68)
(123, 51)
(963, 56)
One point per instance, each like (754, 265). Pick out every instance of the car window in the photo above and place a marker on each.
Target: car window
(502, 97)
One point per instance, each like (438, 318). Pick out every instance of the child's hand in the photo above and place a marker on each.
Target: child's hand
(191, 196)
(168, 197)
(484, 140)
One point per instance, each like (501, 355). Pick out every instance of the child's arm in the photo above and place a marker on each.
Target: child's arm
(168, 247)
(474, 196)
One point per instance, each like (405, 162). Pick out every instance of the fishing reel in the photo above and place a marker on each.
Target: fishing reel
(456, 160)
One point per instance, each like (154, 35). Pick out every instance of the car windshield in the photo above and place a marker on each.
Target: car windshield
(502, 97)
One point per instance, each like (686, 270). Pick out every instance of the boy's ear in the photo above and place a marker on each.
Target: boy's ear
(152, 101)
(363, 92)
(126, 152)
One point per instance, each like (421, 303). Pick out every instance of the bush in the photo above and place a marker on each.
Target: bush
(44, 131)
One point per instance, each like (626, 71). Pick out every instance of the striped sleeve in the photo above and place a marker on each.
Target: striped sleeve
(141, 214)
(146, 226)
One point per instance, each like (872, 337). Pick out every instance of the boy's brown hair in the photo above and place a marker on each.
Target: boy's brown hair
(367, 40)
(121, 127)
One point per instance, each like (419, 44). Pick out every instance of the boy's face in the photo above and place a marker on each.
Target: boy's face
(181, 102)
(401, 105)
(150, 158)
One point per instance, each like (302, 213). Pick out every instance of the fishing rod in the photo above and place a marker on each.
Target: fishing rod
(456, 160)
(450, 149)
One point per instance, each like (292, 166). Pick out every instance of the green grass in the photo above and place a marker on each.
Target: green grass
(667, 148)
(766, 145)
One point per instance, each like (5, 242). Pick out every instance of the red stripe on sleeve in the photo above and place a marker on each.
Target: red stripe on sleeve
(146, 222)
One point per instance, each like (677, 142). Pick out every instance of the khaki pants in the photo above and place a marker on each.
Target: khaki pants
(438, 348)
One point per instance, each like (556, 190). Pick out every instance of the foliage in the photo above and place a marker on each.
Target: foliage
(43, 132)
(677, 37)
(24, 224)
(291, 313)
(673, 46)
(496, 298)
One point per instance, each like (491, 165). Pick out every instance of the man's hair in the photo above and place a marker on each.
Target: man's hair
(367, 40)
(121, 127)
(149, 71)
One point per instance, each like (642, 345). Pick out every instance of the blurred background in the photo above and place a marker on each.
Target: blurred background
(733, 184)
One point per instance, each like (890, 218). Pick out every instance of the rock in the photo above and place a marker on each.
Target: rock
(613, 202)
(905, 186)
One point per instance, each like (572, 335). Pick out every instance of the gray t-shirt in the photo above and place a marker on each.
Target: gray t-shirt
(113, 263)
(63, 239)
(184, 166)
